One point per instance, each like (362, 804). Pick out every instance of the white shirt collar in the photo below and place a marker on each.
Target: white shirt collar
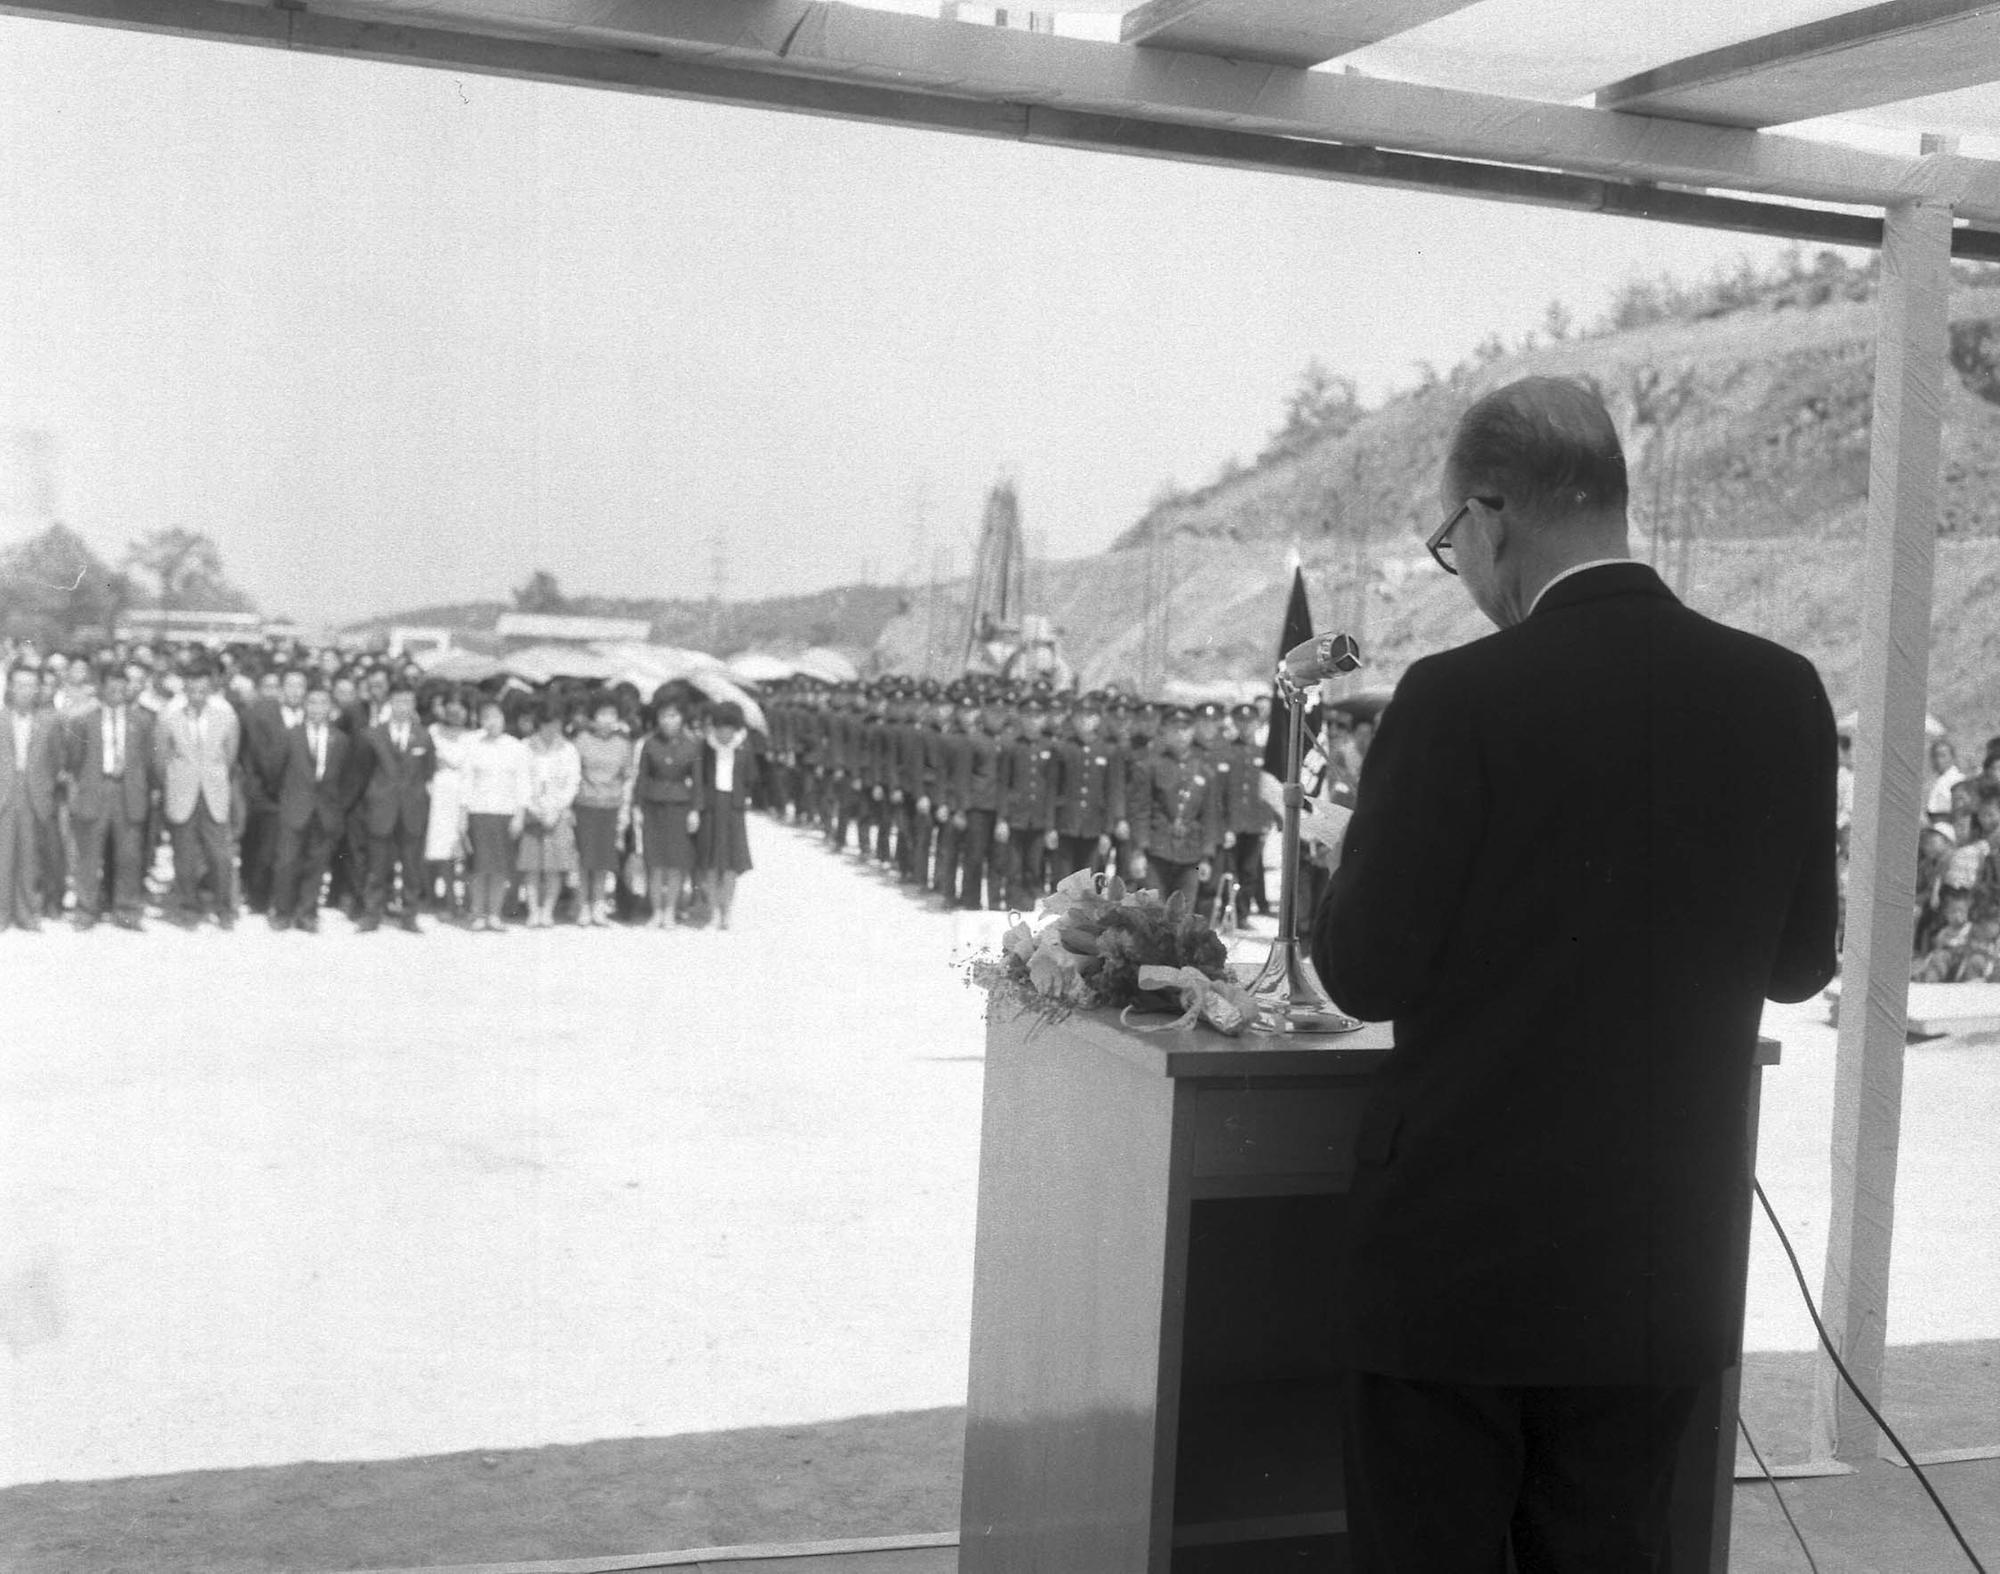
(1596, 562)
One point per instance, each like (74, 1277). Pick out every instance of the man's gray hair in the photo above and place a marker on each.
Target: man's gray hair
(1547, 442)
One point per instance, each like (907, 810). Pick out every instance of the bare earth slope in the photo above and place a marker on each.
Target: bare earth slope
(1747, 439)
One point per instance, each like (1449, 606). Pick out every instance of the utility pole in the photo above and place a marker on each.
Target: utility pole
(718, 586)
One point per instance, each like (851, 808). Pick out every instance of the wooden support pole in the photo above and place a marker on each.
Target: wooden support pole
(1903, 478)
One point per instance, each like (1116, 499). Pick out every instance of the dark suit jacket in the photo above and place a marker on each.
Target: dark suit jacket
(92, 794)
(263, 752)
(1584, 851)
(300, 798)
(397, 788)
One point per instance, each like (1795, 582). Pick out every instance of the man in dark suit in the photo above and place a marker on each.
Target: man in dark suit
(312, 811)
(266, 720)
(1584, 851)
(30, 763)
(108, 753)
(398, 760)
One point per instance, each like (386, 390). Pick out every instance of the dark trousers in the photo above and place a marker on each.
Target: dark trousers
(1167, 877)
(203, 845)
(350, 864)
(981, 873)
(303, 855)
(1078, 852)
(944, 876)
(1027, 866)
(887, 815)
(52, 861)
(124, 841)
(401, 848)
(259, 856)
(1246, 862)
(1443, 1478)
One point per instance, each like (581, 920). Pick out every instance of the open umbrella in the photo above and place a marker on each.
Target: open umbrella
(459, 666)
(829, 666)
(754, 666)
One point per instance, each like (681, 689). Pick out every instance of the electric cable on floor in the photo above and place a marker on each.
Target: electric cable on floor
(1783, 1507)
(1846, 1377)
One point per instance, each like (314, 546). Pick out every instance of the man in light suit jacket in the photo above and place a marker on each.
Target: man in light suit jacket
(1585, 850)
(399, 760)
(197, 751)
(30, 758)
(109, 756)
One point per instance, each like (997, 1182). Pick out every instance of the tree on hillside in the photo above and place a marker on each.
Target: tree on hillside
(540, 594)
(52, 585)
(185, 567)
(1324, 404)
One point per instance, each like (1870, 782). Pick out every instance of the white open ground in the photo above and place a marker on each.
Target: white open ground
(266, 1198)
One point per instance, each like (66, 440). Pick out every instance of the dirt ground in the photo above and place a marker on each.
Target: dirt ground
(549, 1244)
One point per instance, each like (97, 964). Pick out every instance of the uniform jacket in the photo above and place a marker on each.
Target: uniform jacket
(1180, 817)
(978, 781)
(37, 785)
(1092, 800)
(669, 771)
(396, 789)
(92, 794)
(1034, 782)
(1584, 852)
(301, 798)
(197, 764)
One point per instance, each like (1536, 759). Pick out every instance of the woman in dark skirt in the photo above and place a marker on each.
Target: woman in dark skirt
(603, 804)
(668, 790)
(728, 778)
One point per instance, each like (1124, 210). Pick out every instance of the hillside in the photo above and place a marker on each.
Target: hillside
(1747, 440)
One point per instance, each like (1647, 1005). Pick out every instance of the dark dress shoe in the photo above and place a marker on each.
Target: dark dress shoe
(225, 920)
(131, 921)
(280, 921)
(309, 925)
(85, 921)
(409, 922)
(368, 924)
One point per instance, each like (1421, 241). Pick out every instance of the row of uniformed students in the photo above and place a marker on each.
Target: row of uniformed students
(989, 797)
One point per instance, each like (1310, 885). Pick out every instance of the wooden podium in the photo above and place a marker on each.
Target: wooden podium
(1151, 1386)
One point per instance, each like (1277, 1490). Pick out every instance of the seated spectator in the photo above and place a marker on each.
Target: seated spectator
(1951, 946)
(1945, 775)
(1934, 849)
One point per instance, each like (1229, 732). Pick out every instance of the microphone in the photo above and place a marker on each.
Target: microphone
(1319, 658)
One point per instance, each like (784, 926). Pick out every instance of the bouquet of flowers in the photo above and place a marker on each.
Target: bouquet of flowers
(1096, 943)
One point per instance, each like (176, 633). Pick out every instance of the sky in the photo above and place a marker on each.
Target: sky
(397, 336)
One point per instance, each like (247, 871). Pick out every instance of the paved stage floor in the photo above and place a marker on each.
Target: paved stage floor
(270, 1199)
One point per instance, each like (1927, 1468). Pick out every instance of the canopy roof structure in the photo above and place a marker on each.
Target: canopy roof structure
(1662, 111)
(1868, 125)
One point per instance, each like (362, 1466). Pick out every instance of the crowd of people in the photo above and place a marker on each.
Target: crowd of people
(195, 785)
(1957, 913)
(986, 794)
(283, 781)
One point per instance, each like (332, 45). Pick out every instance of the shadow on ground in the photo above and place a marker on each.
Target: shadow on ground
(891, 1474)
(868, 1476)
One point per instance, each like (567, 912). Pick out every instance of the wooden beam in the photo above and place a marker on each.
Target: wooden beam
(1883, 54)
(1905, 444)
(920, 71)
(1279, 32)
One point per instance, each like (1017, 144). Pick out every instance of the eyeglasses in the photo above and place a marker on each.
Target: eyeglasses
(1440, 541)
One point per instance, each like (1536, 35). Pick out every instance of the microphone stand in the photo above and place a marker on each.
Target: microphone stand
(1289, 995)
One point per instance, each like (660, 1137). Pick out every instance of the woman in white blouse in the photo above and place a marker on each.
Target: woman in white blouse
(494, 787)
(548, 834)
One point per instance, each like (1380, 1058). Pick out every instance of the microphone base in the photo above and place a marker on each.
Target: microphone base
(1290, 997)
